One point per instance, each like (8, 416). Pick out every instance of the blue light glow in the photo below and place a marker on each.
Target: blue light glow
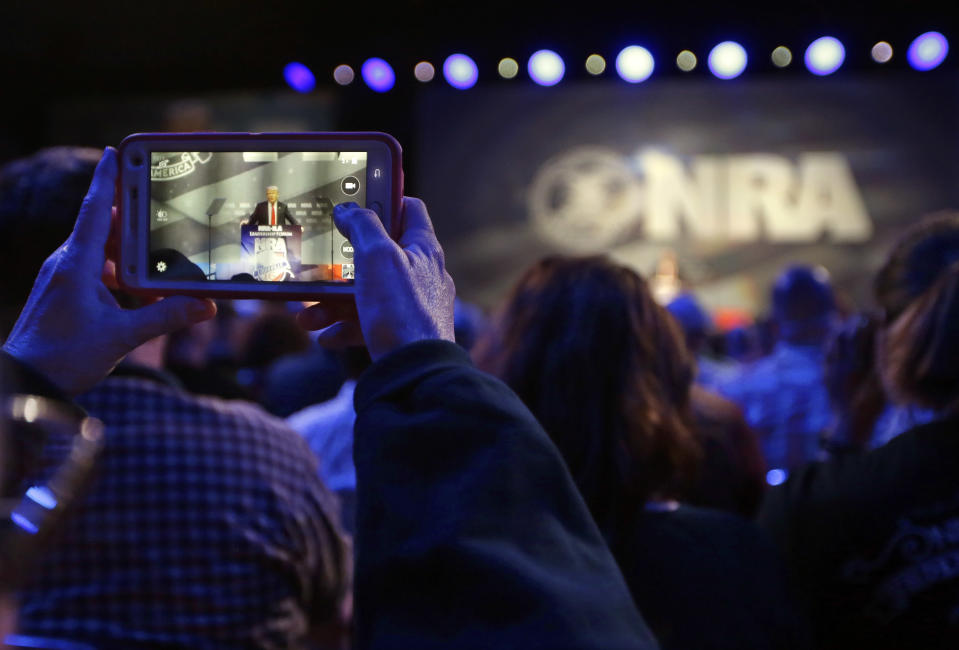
(299, 77)
(824, 55)
(776, 476)
(546, 68)
(378, 74)
(24, 523)
(635, 64)
(460, 71)
(727, 60)
(928, 51)
(41, 495)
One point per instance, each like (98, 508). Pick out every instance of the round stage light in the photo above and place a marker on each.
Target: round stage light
(824, 55)
(595, 64)
(546, 68)
(507, 68)
(299, 77)
(424, 71)
(727, 60)
(460, 71)
(776, 476)
(927, 51)
(343, 75)
(378, 74)
(686, 61)
(782, 56)
(635, 64)
(881, 52)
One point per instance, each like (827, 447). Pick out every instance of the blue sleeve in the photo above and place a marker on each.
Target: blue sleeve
(470, 531)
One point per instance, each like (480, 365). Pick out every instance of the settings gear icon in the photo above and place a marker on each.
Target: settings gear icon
(161, 266)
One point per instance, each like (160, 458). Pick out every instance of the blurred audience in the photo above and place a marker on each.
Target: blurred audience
(783, 395)
(871, 539)
(605, 370)
(328, 429)
(733, 473)
(479, 542)
(698, 328)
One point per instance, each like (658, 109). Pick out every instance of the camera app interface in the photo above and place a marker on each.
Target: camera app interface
(252, 215)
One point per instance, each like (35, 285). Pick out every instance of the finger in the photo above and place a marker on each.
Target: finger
(415, 222)
(169, 315)
(109, 275)
(318, 316)
(342, 334)
(362, 227)
(92, 228)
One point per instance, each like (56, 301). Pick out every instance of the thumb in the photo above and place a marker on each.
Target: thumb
(169, 315)
(362, 227)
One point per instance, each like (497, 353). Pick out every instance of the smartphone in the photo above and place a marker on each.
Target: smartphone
(248, 215)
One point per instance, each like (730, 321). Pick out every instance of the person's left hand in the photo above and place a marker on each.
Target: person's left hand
(72, 329)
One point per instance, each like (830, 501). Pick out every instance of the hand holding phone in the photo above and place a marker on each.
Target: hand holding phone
(71, 328)
(403, 292)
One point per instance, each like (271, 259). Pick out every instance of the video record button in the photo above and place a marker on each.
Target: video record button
(350, 185)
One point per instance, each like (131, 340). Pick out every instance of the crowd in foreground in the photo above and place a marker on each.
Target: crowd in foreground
(579, 470)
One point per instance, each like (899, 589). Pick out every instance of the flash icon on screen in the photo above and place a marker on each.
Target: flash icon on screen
(161, 266)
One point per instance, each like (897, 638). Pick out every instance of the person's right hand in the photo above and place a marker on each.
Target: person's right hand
(403, 292)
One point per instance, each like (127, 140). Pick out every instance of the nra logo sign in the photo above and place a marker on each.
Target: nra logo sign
(592, 198)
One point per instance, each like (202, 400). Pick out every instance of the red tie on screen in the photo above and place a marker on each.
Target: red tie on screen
(273, 215)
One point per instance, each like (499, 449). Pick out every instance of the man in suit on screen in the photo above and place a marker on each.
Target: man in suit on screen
(272, 212)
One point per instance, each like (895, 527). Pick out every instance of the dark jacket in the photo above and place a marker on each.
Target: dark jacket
(470, 531)
(261, 215)
(873, 542)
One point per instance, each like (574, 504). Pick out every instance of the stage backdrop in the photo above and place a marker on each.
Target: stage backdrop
(736, 179)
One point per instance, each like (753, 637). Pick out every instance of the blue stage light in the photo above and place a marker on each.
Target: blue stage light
(776, 476)
(460, 71)
(824, 55)
(927, 51)
(635, 64)
(546, 68)
(299, 77)
(727, 60)
(378, 74)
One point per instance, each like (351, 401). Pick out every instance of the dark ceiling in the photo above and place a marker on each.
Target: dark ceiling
(187, 46)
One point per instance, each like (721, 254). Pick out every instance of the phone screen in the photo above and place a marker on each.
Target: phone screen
(252, 215)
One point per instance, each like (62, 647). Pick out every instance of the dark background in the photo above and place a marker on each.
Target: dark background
(90, 73)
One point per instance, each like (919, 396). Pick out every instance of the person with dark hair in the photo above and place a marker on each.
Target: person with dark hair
(871, 538)
(783, 395)
(604, 369)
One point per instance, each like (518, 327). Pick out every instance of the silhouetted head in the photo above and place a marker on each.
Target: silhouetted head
(604, 369)
(804, 306)
(40, 197)
(918, 291)
(692, 318)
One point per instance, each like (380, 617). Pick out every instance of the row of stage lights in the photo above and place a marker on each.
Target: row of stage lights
(634, 64)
